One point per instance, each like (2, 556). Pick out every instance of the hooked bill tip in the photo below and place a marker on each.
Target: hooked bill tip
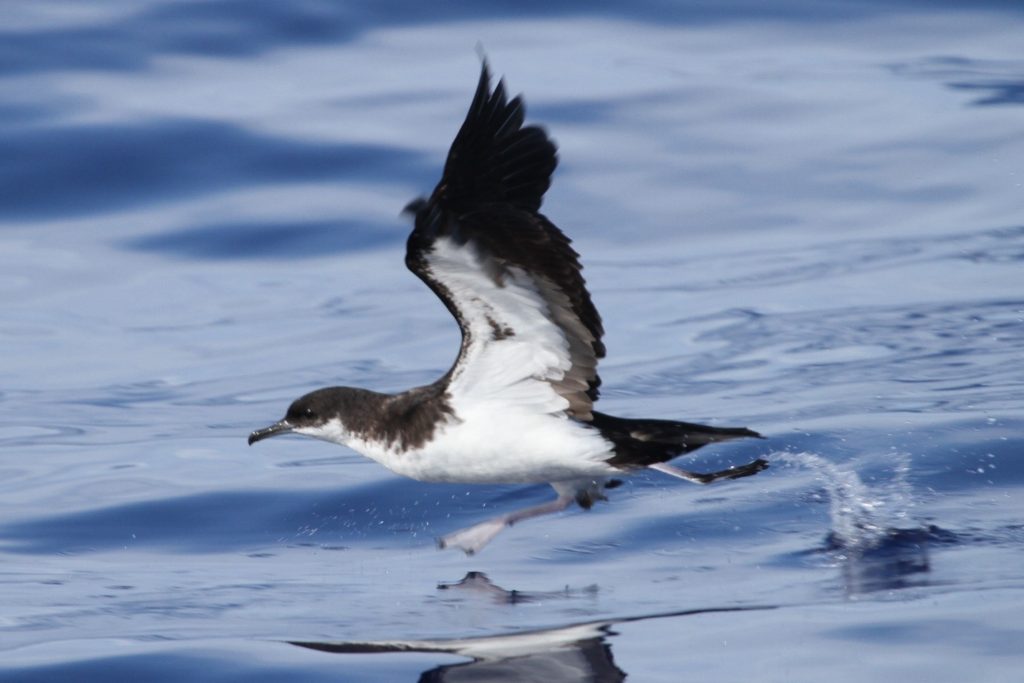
(281, 427)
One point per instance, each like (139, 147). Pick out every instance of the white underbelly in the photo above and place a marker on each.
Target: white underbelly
(510, 447)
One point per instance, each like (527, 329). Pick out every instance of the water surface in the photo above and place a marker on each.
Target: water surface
(803, 219)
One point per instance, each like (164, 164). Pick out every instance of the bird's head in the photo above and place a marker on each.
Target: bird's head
(317, 414)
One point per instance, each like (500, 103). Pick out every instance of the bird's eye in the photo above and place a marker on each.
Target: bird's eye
(308, 412)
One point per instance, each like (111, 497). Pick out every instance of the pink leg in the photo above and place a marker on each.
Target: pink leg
(472, 539)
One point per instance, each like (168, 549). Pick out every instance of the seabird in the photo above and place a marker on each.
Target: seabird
(517, 406)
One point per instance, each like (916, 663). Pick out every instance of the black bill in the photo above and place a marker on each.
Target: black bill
(281, 427)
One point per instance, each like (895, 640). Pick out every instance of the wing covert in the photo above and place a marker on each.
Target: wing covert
(507, 274)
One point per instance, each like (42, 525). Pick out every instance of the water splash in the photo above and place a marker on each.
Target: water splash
(870, 539)
(862, 517)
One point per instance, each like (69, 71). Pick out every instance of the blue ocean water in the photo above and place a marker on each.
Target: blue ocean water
(805, 218)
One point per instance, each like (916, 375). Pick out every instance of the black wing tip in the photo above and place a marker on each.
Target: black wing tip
(495, 158)
(481, 53)
(483, 86)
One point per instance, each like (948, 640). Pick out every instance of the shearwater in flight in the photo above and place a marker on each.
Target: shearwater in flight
(517, 406)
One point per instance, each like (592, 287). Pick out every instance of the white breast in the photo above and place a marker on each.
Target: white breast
(509, 447)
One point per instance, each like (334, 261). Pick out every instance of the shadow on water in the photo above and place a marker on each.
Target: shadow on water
(246, 28)
(162, 668)
(899, 559)
(108, 167)
(997, 82)
(866, 543)
(994, 91)
(378, 513)
(209, 522)
(576, 653)
(279, 240)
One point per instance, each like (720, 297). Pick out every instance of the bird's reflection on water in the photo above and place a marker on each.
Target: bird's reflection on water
(582, 652)
(477, 582)
(575, 653)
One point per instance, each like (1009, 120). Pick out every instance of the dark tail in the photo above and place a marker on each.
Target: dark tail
(641, 443)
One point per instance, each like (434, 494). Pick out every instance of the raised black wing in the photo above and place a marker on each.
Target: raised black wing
(509, 276)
